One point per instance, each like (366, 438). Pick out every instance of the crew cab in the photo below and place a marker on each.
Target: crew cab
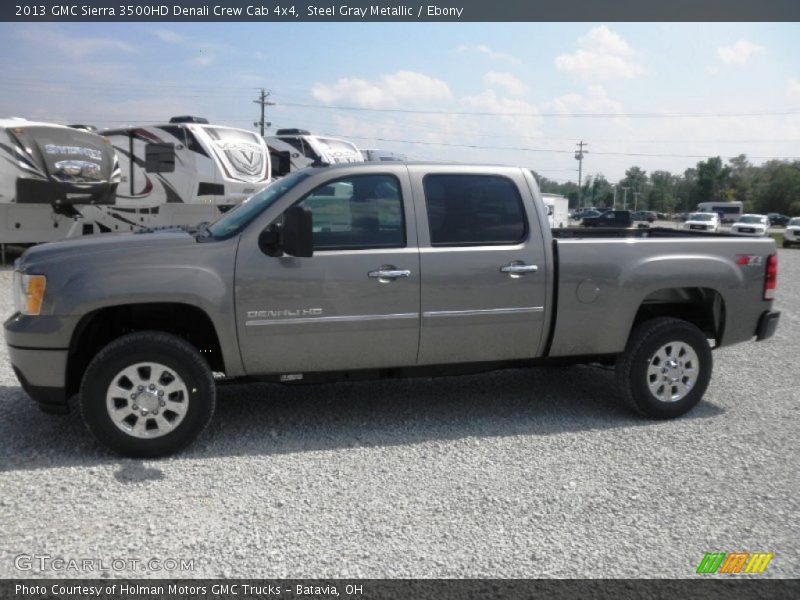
(375, 270)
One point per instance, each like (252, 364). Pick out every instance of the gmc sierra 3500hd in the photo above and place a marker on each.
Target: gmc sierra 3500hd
(385, 269)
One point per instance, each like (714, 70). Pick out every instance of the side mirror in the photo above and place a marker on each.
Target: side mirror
(295, 237)
(298, 233)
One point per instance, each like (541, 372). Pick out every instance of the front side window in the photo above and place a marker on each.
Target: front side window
(473, 210)
(356, 213)
(236, 219)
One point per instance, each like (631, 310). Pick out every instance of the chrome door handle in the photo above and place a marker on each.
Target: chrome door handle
(389, 274)
(519, 269)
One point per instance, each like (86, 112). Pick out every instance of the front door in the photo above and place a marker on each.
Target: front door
(483, 267)
(355, 303)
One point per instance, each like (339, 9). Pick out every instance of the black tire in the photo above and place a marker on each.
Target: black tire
(148, 346)
(786, 244)
(633, 364)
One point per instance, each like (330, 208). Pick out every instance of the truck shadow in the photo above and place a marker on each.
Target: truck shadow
(270, 419)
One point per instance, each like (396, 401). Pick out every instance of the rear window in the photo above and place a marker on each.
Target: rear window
(472, 210)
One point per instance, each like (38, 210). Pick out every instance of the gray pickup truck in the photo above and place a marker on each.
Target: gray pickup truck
(374, 270)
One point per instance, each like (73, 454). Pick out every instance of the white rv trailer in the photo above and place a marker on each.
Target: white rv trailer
(557, 210)
(729, 212)
(375, 155)
(49, 174)
(304, 149)
(184, 172)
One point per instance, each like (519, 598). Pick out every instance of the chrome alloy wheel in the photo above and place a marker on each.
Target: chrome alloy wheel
(672, 371)
(147, 400)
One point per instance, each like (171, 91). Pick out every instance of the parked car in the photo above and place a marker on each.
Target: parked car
(756, 225)
(791, 234)
(383, 269)
(611, 218)
(702, 222)
(644, 215)
(589, 214)
(777, 219)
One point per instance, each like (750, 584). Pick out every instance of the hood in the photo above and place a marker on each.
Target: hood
(112, 244)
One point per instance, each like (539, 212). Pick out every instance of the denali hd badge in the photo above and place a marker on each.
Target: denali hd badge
(287, 312)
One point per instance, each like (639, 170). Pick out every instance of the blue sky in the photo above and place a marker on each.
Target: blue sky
(527, 80)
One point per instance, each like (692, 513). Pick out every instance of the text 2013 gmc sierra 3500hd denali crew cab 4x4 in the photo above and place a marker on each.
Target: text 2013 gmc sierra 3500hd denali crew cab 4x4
(385, 269)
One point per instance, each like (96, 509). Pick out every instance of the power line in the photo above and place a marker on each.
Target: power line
(539, 114)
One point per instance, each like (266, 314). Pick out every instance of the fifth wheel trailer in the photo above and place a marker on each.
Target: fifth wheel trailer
(48, 175)
(184, 172)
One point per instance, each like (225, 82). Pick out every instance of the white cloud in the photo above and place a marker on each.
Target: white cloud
(513, 85)
(793, 87)
(487, 51)
(739, 53)
(520, 118)
(72, 46)
(602, 54)
(596, 100)
(169, 36)
(402, 87)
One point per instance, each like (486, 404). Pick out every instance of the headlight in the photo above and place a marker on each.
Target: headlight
(28, 293)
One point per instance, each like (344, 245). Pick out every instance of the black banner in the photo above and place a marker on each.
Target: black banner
(405, 589)
(400, 10)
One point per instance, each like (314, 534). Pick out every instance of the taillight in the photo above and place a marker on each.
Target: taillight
(771, 277)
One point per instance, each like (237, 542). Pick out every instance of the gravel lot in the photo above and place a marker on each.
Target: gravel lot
(538, 473)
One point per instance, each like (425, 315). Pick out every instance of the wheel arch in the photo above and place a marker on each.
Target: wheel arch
(704, 307)
(101, 326)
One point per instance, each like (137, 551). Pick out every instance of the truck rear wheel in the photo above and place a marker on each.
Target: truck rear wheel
(665, 369)
(147, 394)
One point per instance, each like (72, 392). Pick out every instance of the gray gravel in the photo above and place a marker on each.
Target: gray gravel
(538, 473)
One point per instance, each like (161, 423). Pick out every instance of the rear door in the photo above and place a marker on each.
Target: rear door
(483, 266)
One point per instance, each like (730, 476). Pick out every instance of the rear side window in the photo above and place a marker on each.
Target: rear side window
(473, 210)
(356, 213)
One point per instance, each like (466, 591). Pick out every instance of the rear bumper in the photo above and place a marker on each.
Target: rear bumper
(767, 324)
(42, 374)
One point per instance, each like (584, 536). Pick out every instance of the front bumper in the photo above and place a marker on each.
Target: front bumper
(42, 374)
(767, 324)
(42, 371)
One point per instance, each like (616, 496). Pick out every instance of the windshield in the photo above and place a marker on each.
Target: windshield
(753, 219)
(237, 219)
(794, 222)
(701, 217)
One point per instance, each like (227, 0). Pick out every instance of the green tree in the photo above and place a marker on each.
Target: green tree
(777, 188)
(712, 179)
(661, 194)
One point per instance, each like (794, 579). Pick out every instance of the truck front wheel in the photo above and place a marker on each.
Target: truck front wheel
(147, 394)
(665, 369)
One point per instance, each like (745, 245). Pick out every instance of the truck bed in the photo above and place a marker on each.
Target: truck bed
(603, 276)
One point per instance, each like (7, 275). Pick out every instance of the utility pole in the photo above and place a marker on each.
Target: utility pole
(625, 189)
(636, 195)
(264, 102)
(579, 157)
(614, 202)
